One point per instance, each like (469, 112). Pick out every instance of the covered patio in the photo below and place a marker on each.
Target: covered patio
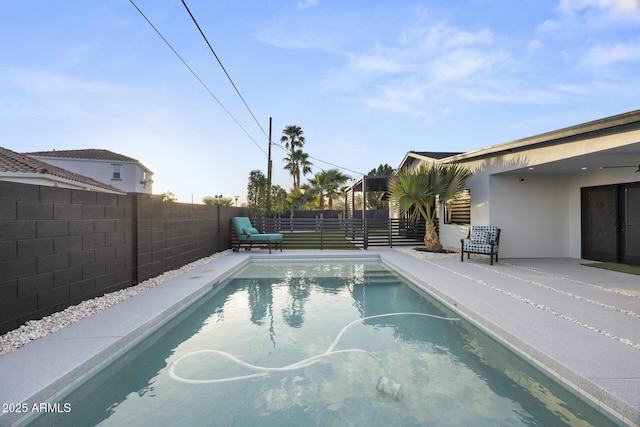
(572, 192)
(364, 185)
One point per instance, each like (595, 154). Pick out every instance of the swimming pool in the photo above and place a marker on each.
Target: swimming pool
(279, 313)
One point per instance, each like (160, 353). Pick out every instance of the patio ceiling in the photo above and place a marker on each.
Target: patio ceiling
(628, 156)
(374, 183)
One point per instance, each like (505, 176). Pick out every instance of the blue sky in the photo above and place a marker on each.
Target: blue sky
(367, 81)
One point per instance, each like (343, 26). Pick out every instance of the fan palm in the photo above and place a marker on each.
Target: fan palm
(298, 164)
(415, 194)
(327, 184)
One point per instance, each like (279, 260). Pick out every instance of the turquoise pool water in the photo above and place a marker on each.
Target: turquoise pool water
(436, 369)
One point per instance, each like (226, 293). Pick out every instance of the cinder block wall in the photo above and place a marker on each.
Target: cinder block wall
(59, 247)
(170, 235)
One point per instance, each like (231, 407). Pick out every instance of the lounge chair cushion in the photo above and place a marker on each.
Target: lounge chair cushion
(261, 237)
(477, 248)
(480, 239)
(249, 231)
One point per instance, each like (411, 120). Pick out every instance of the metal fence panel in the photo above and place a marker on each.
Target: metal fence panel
(340, 233)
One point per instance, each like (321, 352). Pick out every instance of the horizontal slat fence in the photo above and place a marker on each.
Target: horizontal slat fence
(337, 233)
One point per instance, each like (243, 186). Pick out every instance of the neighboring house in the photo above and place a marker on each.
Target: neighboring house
(16, 167)
(574, 192)
(122, 172)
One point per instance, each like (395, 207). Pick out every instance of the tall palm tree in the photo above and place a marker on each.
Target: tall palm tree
(415, 194)
(327, 184)
(298, 164)
(293, 140)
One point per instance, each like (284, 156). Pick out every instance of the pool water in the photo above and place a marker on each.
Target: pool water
(437, 370)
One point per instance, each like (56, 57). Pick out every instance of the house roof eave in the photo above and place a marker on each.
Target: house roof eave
(92, 154)
(549, 138)
(31, 178)
(416, 155)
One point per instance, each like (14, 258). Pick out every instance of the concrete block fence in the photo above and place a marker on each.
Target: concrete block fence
(59, 246)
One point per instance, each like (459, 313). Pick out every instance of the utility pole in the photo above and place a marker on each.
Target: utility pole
(269, 171)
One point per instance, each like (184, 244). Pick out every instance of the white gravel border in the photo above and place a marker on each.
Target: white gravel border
(411, 250)
(34, 329)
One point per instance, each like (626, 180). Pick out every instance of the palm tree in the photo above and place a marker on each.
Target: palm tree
(297, 199)
(298, 164)
(415, 194)
(327, 184)
(293, 141)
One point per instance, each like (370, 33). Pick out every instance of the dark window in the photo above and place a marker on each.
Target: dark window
(116, 172)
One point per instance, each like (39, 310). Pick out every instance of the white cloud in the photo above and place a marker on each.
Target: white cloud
(425, 63)
(306, 4)
(592, 33)
(462, 64)
(578, 19)
(616, 6)
(602, 55)
(429, 65)
(45, 94)
(309, 32)
(443, 36)
(48, 83)
(534, 44)
(374, 63)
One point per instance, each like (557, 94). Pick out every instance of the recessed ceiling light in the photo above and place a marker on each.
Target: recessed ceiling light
(584, 168)
(531, 168)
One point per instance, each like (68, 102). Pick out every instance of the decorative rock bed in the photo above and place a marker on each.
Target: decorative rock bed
(34, 329)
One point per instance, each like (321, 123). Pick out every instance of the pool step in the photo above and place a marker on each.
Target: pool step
(381, 277)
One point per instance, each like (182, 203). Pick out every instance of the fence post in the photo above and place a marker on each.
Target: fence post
(366, 231)
(390, 226)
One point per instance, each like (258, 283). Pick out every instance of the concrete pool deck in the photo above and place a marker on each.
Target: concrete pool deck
(580, 324)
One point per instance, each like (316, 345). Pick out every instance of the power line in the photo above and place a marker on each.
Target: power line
(196, 76)
(232, 83)
(240, 95)
(283, 148)
(222, 66)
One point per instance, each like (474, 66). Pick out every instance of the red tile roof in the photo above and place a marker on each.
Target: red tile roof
(10, 161)
(90, 154)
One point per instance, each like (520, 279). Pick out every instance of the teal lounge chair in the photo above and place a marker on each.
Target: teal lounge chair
(247, 234)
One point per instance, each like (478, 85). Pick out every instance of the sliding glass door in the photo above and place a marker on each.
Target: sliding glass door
(611, 223)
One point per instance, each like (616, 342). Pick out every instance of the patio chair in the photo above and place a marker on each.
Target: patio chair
(482, 239)
(247, 235)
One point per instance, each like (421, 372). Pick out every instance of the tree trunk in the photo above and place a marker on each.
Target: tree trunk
(431, 239)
